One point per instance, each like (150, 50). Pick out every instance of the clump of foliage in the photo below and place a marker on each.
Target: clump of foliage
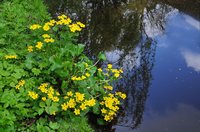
(46, 80)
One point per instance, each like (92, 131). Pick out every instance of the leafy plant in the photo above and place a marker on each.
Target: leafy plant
(45, 78)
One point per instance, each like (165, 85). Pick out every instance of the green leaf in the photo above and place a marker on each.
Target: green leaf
(40, 111)
(101, 56)
(42, 104)
(36, 71)
(54, 126)
(96, 109)
(56, 63)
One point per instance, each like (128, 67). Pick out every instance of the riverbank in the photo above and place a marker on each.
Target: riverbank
(15, 111)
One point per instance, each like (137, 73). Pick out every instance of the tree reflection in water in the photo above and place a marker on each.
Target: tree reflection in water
(123, 29)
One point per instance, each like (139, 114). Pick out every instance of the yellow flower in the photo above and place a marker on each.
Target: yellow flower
(107, 118)
(44, 98)
(91, 102)
(109, 66)
(20, 84)
(66, 21)
(33, 95)
(52, 21)
(100, 70)
(87, 74)
(66, 97)
(121, 70)
(57, 93)
(83, 106)
(39, 45)
(35, 26)
(42, 87)
(83, 77)
(51, 40)
(69, 93)
(103, 111)
(123, 96)
(81, 24)
(115, 71)
(73, 78)
(71, 103)
(30, 48)
(10, 57)
(102, 103)
(55, 99)
(86, 64)
(62, 16)
(46, 36)
(64, 106)
(46, 27)
(74, 28)
(79, 97)
(108, 87)
(116, 75)
(77, 112)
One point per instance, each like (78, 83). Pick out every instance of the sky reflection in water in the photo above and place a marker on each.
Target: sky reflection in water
(173, 104)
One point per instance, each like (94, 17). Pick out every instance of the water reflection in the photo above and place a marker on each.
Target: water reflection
(192, 59)
(125, 31)
(175, 120)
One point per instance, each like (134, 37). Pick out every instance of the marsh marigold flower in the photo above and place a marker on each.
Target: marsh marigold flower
(20, 84)
(11, 57)
(39, 45)
(64, 106)
(30, 48)
(46, 36)
(35, 26)
(81, 24)
(33, 95)
(109, 66)
(44, 98)
(77, 112)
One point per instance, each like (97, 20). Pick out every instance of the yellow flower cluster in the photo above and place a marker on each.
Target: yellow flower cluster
(33, 95)
(100, 70)
(76, 78)
(79, 97)
(11, 57)
(39, 45)
(63, 20)
(115, 72)
(47, 26)
(48, 38)
(77, 102)
(20, 84)
(30, 48)
(110, 105)
(121, 95)
(81, 24)
(35, 26)
(76, 26)
(108, 87)
(50, 91)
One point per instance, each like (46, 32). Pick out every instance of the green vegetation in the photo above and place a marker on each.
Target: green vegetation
(46, 82)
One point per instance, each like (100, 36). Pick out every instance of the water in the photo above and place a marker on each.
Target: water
(158, 45)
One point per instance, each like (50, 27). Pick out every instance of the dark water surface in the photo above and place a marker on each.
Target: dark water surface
(158, 45)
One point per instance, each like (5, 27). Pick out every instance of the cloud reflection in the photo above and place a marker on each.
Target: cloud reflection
(185, 118)
(192, 59)
(194, 23)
